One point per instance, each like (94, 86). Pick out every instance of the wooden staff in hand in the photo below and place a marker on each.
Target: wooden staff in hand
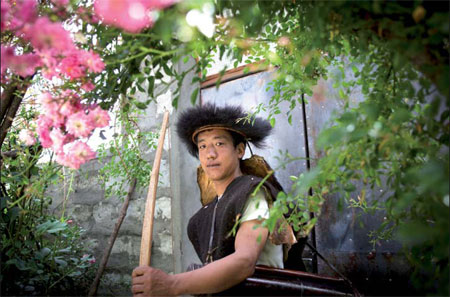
(147, 228)
(148, 218)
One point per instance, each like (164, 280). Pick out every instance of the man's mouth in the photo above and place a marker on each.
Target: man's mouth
(212, 165)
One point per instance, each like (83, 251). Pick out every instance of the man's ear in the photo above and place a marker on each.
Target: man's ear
(241, 150)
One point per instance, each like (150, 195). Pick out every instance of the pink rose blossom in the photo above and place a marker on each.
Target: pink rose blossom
(93, 61)
(7, 53)
(18, 13)
(79, 153)
(26, 64)
(48, 73)
(88, 86)
(4, 17)
(63, 160)
(58, 139)
(49, 62)
(70, 106)
(130, 15)
(26, 10)
(48, 102)
(46, 35)
(27, 137)
(23, 65)
(158, 4)
(71, 65)
(52, 112)
(43, 130)
(79, 124)
(69, 222)
(99, 117)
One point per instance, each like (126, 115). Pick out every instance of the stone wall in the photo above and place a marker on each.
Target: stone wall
(177, 200)
(87, 207)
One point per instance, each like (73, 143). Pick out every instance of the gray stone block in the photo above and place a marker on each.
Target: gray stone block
(115, 284)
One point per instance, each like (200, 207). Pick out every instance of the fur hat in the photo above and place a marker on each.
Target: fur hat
(208, 116)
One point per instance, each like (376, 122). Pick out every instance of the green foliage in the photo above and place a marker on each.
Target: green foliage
(123, 156)
(396, 139)
(40, 254)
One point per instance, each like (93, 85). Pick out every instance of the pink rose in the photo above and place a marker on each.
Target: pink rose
(88, 86)
(79, 124)
(93, 61)
(78, 153)
(99, 117)
(27, 137)
(72, 66)
(43, 130)
(58, 140)
(45, 35)
(23, 65)
(130, 15)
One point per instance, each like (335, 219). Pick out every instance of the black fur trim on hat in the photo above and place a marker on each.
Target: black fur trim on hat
(199, 116)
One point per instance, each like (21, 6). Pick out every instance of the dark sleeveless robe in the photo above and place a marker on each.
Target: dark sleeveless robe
(228, 211)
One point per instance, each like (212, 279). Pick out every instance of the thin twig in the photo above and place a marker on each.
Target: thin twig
(112, 239)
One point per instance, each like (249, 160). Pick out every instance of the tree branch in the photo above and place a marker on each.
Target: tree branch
(112, 239)
(9, 117)
(5, 102)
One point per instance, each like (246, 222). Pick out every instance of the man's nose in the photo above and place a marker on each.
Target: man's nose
(211, 152)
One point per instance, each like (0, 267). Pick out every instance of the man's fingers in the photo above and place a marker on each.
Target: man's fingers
(136, 289)
(137, 280)
(139, 271)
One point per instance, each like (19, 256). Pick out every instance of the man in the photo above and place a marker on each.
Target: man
(217, 136)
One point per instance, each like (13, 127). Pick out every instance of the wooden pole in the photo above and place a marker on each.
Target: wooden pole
(147, 228)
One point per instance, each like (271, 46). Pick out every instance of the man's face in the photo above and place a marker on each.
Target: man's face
(218, 156)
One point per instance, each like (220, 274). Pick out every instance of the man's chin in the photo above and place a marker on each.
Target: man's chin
(213, 178)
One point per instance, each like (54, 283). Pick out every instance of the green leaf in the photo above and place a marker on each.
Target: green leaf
(413, 233)
(51, 227)
(75, 273)
(167, 69)
(330, 136)
(272, 122)
(140, 105)
(60, 262)
(194, 96)
(140, 87)
(401, 115)
(151, 85)
(350, 188)
(20, 264)
(42, 253)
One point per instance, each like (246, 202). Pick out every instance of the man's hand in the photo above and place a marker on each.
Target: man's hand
(148, 281)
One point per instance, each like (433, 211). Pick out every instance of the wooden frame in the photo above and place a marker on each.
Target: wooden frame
(233, 74)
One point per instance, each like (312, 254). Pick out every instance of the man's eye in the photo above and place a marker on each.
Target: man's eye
(201, 147)
(219, 143)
